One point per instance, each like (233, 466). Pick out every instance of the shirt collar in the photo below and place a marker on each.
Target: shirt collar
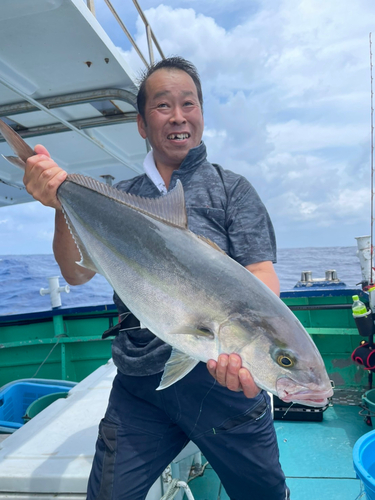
(192, 160)
(153, 173)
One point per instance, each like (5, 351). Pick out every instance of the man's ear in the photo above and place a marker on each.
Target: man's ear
(141, 126)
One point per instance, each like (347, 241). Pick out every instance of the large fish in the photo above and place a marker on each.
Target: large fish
(185, 289)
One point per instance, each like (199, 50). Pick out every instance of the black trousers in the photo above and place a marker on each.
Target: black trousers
(144, 430)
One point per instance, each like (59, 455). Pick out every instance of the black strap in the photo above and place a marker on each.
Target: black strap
(128, 320)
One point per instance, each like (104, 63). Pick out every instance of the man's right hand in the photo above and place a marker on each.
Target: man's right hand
(229, 373)
(43, 177)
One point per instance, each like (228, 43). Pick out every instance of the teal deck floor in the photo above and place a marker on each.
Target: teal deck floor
(316, 458)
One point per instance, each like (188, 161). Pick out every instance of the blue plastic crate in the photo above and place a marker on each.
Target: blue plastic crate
(17, 396)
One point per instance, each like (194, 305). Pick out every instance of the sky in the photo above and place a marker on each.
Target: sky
(287, 104)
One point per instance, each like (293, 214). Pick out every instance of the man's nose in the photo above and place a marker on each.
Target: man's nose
(178, 115)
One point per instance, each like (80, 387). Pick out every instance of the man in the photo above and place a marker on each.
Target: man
(144, 429)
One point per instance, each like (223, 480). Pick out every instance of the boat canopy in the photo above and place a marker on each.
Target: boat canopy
(64, 84)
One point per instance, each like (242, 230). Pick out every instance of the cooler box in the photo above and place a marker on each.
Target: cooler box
(296, 412)
(50, 457)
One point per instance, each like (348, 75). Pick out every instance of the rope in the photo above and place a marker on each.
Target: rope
(362, 493)
(45, 359)
(174, 488)
(171, 491)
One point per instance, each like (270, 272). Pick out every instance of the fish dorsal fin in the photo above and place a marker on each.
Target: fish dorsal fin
(212, 244)
(177, 366)
(169, 209)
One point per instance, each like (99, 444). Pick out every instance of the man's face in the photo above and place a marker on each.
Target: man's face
(173, 116)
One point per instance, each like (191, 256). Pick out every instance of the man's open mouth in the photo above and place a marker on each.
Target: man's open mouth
(179, 137)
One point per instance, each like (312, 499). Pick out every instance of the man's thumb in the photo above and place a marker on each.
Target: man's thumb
(41, 150)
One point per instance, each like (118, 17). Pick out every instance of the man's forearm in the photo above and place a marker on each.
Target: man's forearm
(266, 273)
(67, 254)
(269, 279)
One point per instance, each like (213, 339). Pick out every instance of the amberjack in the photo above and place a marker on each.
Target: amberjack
(184, 288)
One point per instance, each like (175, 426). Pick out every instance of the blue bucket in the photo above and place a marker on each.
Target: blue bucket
(364, 462)
(17, 396)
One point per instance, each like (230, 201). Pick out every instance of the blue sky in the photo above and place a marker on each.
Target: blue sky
(287, 104)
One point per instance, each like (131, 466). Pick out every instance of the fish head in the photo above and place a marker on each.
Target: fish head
(281, 357)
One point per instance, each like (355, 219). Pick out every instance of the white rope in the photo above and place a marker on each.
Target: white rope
(362, 493)
(45, 359)
(174, 488)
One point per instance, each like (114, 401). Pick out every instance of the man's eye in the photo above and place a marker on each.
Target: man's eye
(162, 105)
(189, 103)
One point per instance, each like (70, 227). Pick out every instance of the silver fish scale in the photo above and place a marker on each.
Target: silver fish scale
(175, 284)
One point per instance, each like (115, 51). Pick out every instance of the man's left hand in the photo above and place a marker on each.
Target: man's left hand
(229, 373)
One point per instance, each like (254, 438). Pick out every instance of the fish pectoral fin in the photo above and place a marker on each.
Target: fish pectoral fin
(14, 160)
(197, 332)
(177, 366)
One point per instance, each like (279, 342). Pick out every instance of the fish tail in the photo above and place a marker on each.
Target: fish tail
(18, 145)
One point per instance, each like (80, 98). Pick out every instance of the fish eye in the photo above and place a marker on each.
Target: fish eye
(285, 361)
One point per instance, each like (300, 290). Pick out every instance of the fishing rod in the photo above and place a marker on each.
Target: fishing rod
(372, 164)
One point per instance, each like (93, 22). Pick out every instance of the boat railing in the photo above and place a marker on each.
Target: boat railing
(149, 33)
(111, 114)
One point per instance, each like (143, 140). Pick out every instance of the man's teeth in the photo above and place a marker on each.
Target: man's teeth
(178, 136)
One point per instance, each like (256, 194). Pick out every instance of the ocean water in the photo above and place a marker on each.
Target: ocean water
(22, 277)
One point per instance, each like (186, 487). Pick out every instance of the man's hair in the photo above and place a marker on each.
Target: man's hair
(170, 63)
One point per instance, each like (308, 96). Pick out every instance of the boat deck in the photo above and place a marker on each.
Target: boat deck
(316, 458)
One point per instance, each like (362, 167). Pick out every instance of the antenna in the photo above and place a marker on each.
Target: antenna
(372, 165)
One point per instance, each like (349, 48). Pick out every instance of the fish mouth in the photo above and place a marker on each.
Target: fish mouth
(291, 392)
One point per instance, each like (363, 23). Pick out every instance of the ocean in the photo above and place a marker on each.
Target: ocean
(22, 277)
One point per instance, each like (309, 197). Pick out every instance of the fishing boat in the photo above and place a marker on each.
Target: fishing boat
(77, 96)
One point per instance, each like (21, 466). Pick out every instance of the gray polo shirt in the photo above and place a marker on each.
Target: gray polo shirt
(222, 206)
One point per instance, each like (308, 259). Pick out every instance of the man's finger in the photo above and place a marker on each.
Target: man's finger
(234, 365)
(250, 389)
(221, 369)
(41, 150)
(211, 367)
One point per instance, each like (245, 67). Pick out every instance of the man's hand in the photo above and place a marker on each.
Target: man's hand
(228, 372)
(43, 177)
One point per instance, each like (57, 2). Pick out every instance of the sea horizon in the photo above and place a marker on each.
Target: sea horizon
(23, 275)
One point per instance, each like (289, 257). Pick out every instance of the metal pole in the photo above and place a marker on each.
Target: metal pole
(149, 43)
(372, 165)
(66, 123)
(91, 6)
(111, 8)
(144, 19)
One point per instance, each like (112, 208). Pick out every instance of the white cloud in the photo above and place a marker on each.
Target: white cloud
(28, 229)
(287, 104)
(294, 136)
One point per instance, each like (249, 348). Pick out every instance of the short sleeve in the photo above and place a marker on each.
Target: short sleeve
(250, 231)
